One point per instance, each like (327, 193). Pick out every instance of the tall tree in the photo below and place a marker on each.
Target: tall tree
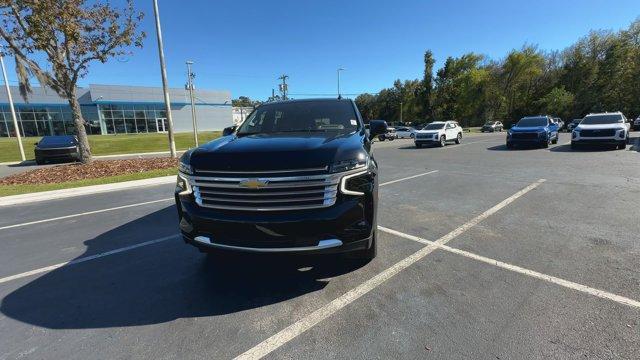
(57, 40)
(427, 85)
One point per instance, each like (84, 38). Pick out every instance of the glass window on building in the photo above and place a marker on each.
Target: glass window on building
(69, 127)
(151, 124)
(29, 128)
(130, 124)
(43, 128)
(26, 115)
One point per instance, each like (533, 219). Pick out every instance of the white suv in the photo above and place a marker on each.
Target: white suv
(603, 128)
(439, 132)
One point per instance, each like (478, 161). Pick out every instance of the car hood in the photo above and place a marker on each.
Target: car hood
(276, 151)
(600, 126)
(528, 129)
(57, 144)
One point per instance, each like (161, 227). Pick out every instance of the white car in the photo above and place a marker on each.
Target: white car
(405, 132)
(603, 128)
(439, 132)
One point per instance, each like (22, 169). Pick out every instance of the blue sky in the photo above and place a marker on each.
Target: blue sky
(243, 46)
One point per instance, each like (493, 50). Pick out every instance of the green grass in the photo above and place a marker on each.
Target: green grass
(111, 144)
(6, 190)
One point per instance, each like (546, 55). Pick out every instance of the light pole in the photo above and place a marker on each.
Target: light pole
(190, 77)
(13, 111)
(338, 71)
(165, 87)
(400, 112)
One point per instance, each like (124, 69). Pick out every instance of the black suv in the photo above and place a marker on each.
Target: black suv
(295, 177)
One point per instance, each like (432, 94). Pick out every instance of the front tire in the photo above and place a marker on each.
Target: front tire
(418, 146)
(459, 138)
(622, 145)
(412, 136)
(39, 161)
(509, 145)
(443, 141)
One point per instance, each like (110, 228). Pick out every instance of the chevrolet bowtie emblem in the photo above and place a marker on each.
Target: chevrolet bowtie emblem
(253, 183)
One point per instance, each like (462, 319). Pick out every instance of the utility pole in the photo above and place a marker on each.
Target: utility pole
(400, 111)
(165, 87)
(190, 77)
(13, 110)
(338, 71)
(283, 87)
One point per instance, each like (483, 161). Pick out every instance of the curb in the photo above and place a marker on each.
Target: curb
(31, 162)
(83, 190)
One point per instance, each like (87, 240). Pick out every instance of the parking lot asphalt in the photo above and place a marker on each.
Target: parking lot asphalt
(484, 253)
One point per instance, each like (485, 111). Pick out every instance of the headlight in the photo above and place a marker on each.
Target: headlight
(574, 134)
(183, 187)
(362, 161)
(356, 184)
(185, 168)
(622, 133)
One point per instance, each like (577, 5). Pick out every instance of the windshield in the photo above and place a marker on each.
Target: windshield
(532, 122)
(489, 123)
(301, 116)
(433, 127)
(58, 140)
(602, 119)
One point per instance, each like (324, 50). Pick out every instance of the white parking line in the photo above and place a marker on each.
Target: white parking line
(85, 259)
(309, 321)
(548, 278)
(406, 178)
(84, 214)
(153, 202)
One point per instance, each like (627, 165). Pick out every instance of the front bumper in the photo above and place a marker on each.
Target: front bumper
(348, 225)
(540, 140)
(598, 141)
(55, 154)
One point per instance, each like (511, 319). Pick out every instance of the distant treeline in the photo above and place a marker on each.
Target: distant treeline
(600, 72)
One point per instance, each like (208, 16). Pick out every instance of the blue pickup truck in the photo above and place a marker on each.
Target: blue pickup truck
(533, 130)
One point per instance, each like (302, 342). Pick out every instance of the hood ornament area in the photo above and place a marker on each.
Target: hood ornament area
(254, 183)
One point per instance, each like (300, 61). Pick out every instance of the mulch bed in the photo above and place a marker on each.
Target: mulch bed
(96, 169)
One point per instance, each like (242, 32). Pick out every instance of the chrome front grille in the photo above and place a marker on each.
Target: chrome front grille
(265, 190)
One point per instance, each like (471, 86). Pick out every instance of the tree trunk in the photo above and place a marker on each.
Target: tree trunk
(83, 140)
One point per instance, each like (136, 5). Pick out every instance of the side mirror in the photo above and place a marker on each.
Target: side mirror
(377, 127)
(228, 130)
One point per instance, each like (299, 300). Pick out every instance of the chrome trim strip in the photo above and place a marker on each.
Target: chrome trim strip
(274, 201)
(268, 178)
(270, 186)
(204, 191)
(322, 244)
(262, 171)
(327, 203)
(57, 148)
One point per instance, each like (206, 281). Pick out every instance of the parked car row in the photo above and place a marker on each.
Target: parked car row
(601, 128)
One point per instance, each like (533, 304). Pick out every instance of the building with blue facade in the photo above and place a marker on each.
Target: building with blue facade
(114, 109)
